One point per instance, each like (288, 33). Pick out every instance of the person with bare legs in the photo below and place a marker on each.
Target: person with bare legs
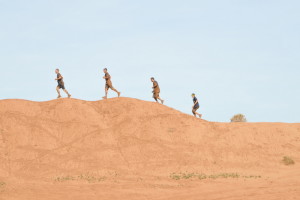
(195, 106)
(61, 84)
(108, 84)
(156, 90)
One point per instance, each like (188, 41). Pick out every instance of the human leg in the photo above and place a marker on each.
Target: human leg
(57, 89)
(116, 91)
(67, 93)
(161, 100)
(106, 92)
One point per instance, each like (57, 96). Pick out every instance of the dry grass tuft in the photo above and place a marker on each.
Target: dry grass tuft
(201, 176)
(238, 118)
(288, 161)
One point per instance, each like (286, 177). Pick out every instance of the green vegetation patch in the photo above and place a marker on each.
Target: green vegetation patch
(202, 176)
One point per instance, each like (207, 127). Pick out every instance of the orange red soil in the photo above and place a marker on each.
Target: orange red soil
(125, 148)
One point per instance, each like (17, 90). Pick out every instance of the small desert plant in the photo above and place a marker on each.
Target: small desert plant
(2, 186)
(175, 176)
(188, 175)
(65, 178)
(238, 118)
(83, 177)
(287, 160)
(201, 176)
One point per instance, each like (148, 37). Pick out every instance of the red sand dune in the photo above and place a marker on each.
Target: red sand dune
(124, 148)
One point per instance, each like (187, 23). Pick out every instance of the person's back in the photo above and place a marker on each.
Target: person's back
(156, 88)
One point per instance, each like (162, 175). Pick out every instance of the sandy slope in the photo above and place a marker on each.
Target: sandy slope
(129, 149)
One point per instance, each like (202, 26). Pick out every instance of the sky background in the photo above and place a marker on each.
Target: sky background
(238, 56)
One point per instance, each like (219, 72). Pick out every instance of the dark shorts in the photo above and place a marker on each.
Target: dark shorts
(195, 109)
(155, 95)
(107, 86)
(61, 86)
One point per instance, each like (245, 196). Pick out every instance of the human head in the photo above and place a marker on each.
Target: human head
(105, 70)
(152, 79)
(193, 95)
(57, 71)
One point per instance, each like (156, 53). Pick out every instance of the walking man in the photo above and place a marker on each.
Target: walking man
(61, 84)
(195, 106)
(108, 84)
(156, 91)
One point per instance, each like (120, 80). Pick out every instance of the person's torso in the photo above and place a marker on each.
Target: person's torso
(156, 86)
(196, 100)
(107, 77)
(60, 80)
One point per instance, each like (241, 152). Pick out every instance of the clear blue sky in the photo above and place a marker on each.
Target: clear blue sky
(238, 56)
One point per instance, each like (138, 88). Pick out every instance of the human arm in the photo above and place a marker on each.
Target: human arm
(106, 77)
(154, 84)
(195, 102)
(59, 77)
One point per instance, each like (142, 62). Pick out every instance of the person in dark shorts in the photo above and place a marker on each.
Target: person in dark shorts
(156, 90)
(108, 84)
(61, 84)
(195, 106)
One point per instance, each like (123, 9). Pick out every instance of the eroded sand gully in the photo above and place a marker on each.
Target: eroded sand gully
(124, 148)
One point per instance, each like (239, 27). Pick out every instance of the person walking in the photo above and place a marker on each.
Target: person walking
(156, 91)
(195, 106)
(108, 83)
